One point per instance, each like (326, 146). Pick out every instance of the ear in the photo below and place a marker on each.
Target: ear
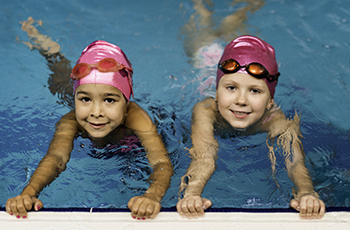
(269, 104)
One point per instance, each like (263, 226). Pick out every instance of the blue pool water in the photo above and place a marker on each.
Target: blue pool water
(312, 42)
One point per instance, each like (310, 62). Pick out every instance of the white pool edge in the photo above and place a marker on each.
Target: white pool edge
(171, 220)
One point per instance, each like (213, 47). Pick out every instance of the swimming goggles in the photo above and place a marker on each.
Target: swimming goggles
(254, 69)
(105, 65)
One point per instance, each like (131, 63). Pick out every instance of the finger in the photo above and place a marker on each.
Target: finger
(184, 208)
(141, 210)
(136, 213)
(206, 204)
(8, 206)
(155, 210)
(38, 204)
(13, 208)
(303, 209)
(131, 202)
(322, 209)
(148, 211)
(133, 207)
(294, 204)
(28, 202)
(198, 205)
(178, 206)
(22, 211)
(310, 205)
(316, 209)
(191, 208)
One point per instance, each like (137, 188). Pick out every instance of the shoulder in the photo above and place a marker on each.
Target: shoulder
(207, 105)
(280, 124)
(68, 124)
(138, 119)
(205, 112)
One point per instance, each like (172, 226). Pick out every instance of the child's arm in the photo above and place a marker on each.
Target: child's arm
(148, 205)
(287, 133)
(48, 169)
(204, 154)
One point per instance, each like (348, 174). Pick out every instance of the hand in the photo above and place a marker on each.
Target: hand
(143, 207)
(192, 206)
(19, 205)
(309, 207)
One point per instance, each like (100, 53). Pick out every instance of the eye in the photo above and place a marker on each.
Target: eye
(109, 100)
(85, 99)
(231, 87)
(255, 91)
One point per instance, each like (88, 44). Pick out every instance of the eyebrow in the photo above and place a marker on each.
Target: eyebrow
(82, 92)
(226, 82)
(111, 95)
(106, 94)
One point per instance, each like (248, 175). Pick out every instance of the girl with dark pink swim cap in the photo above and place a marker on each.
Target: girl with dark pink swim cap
(102, 80)
(247, 76)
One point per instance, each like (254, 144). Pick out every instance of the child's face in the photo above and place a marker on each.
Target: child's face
(242, 99)
(99, 108)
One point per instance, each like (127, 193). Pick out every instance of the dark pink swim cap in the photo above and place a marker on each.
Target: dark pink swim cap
(97, 51)
(248, 49)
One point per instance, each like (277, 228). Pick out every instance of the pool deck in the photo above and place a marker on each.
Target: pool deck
(171, 220)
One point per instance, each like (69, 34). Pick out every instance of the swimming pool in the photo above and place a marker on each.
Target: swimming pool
(312, 49)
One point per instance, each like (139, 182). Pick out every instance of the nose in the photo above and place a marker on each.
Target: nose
(240, 99)
(96, 110)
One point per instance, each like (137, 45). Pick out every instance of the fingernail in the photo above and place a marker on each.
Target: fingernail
(37, 207)
(138, 218)
(134, 217)
(143, 218)
(24, 217)
(11, 214)
(18, 217)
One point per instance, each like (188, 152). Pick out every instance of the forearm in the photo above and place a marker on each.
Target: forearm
(203, 159)
(160, 180)
(197, 176)
(159, 161)
(49, 168)
(204, 148)
(290, 141)
(56, 157)
(202, 166)
(301, 178)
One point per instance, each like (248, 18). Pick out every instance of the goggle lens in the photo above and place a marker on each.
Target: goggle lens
(230, 66)
(105, 65)
(255, 69)
(81, 69)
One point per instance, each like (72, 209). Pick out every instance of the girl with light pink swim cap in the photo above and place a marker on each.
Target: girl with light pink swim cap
(103, 51)
(102, 80)
(247, 76)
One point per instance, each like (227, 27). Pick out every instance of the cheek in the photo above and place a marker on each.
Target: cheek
(116, 114)
(260, 106)
(81, 112)
(223, 101)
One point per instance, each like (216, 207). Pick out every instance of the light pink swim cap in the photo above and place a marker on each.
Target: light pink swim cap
(97, 51)
(248, 49)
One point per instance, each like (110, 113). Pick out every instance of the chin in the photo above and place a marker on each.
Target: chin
(96, 137)
(239, 126)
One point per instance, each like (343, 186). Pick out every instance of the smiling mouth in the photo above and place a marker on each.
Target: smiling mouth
(240, 114)
(97, 126)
